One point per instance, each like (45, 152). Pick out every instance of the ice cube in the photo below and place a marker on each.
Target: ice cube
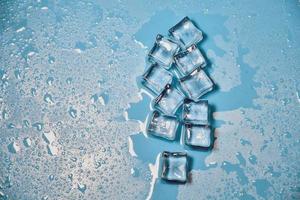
(163, 51)
(156, 78)
(169, 100)
(174, 166)
(197, 135)
(186, 32)
(162, 126)
(196, 112)
(189, 60)
(196, 84)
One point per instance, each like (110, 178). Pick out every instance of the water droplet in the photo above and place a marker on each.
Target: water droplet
(49, 137)
(33, 91)
(26, 123)
(253, 159)
(69, 80)
(134, 172)
(11, 126)
(39, 126)
(52, 150)
(51, 59)
(48, 98)
(81, 187)
(50, 81)
(72, 112)
(51, 177)
(5, 114)
(17, 74)
(14, 147)
(27, 142)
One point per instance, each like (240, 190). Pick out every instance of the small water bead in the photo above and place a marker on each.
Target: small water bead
(38, 125)
(48, 98)
(51, 177)
(72, 112)
(81, 187)
(50, 81)
(27, 142)
(14, 147)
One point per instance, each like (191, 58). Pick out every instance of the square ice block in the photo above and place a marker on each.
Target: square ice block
(163, 51)
(174, 166)
(189, 60)
(156, 78)
(186, 32)
(196, 84)
(197, 135)
(195, 112)
(169, 100)
(162, 126)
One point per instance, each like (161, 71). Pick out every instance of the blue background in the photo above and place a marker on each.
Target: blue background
(71, 68)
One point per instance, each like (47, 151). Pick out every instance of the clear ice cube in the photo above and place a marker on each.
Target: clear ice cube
(156, 78)
(162, 126)
(186, 32)
(163, 51)
(169, 100)
(196, 112)
(189, 60)
(196, 84)
(174, 166)
(197, 135)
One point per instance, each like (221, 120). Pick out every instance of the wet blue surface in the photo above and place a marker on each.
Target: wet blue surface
(74, 67)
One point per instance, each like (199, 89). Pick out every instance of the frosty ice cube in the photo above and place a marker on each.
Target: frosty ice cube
(196, 84)
(189, 60)
(156, 78)
(186, 32)
(174, 166)
(196, 112)
(162, 126)
(169, 100)
(163, 51)
(197, 135)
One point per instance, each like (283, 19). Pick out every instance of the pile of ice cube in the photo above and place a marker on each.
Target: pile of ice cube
(177, 87)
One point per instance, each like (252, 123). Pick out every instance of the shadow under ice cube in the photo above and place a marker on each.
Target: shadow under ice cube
(196, 84)
(186, 32)
(189, 60)
(197, 135)
(162, 126)
(196, 112)
(174, 166)
(156, 78)
(163, 51)
(169, 100)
